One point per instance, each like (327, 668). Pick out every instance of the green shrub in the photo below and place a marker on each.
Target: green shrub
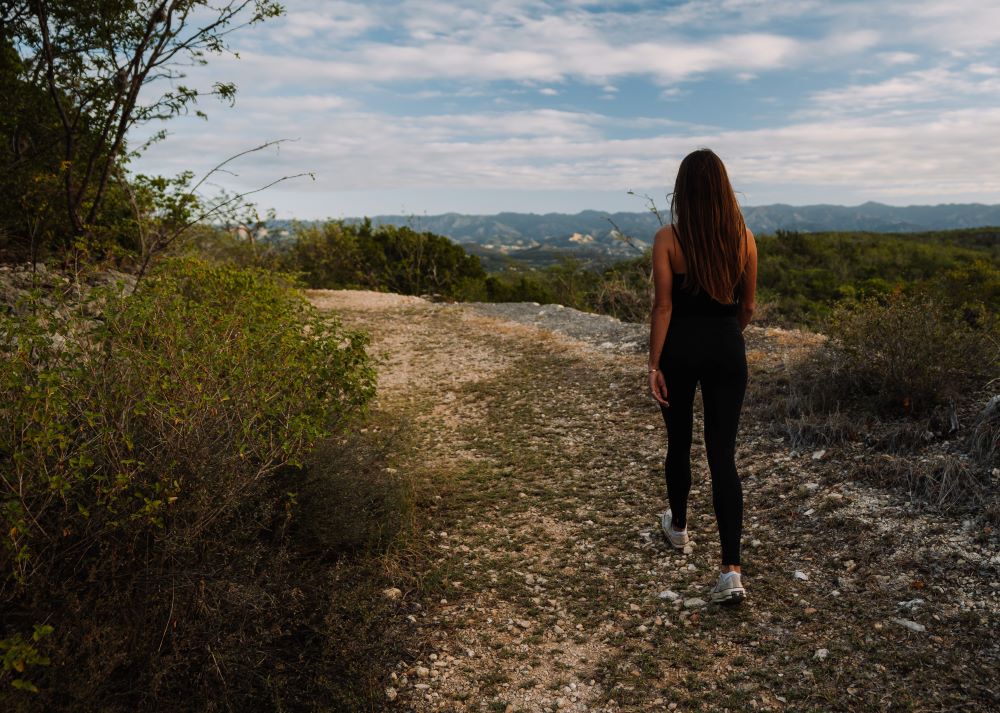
(908, 352)
(386, 257)
(129, 439)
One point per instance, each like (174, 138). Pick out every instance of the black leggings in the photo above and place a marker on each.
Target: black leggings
(709, 350)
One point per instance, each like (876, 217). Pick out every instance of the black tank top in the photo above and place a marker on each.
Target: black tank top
(688, 304)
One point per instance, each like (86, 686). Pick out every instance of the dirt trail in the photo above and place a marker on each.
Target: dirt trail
(561, 594)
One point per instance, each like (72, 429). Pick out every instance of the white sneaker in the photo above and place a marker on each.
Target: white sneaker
(729, 589)
(677, 539)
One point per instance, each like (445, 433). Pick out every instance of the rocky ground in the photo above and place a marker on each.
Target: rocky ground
(545, 453)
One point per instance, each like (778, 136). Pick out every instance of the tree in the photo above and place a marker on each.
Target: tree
(89, 70)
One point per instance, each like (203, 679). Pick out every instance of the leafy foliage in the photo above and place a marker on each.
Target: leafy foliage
(391, 258)
(133, 440)
(79, 77)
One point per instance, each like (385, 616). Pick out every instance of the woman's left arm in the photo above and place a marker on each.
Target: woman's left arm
(659, 321)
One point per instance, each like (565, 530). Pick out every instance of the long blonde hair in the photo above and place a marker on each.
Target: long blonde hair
(709, 226)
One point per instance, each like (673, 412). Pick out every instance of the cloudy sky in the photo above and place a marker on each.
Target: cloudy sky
(428, 106)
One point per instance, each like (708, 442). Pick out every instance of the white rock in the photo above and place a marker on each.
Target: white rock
(694, 602)
(820, 654)
(688, 549)
(390, 693)
(817, 455)
(911, 603)
(911, 625)
(669, 594)
(799, 574)
(755, 543)
(423, 672)
(392, 593)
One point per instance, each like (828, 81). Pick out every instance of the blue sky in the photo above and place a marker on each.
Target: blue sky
(481, 107)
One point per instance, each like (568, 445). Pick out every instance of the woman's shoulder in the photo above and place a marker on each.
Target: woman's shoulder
(666, 231)
(666, 237)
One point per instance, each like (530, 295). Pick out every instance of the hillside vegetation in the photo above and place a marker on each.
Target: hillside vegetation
(217, 496)
(802, 276)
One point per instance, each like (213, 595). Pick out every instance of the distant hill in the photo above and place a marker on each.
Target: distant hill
(589, 235)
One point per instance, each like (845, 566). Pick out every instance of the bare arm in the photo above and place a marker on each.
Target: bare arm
(659, 320)
(749, 298)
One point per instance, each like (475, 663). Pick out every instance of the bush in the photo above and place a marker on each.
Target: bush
(132, 440)
(397, 259)
(908, 353)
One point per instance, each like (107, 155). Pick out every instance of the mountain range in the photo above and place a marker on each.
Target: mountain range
(594, 234)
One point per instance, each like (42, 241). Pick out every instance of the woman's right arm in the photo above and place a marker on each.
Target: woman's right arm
(748, 299)
(661, 311)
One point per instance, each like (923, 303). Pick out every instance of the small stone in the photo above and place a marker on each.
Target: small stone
(658, 621)
(390, 693)
(818, 455)
(392, 593)
(755, 543)
(911, 625)
(529, 579)
(808, 611)
(668, 594)
(509, 708)
(634, 607)
(820, 654)
(523, 624)
(810, 511)
(423, 672)
(559, 631)
(688, 549)
(643, 629)
(694, 602)
(799, 574)
(691, 567)
(672, 706)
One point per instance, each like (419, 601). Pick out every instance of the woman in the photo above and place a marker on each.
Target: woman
(705, 277)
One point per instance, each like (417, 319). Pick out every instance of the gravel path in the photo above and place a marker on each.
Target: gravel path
(601, 331)
(541, 455)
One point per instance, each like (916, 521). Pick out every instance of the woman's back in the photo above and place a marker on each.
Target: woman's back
(689, 303)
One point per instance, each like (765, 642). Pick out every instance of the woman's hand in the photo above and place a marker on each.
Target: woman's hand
(658, 385)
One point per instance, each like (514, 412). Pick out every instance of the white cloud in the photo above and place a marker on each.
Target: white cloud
(938, 85)
(325, 73)
(546, 150)
(896, 58)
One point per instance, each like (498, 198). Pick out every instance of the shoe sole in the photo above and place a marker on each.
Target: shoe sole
(729, 597)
